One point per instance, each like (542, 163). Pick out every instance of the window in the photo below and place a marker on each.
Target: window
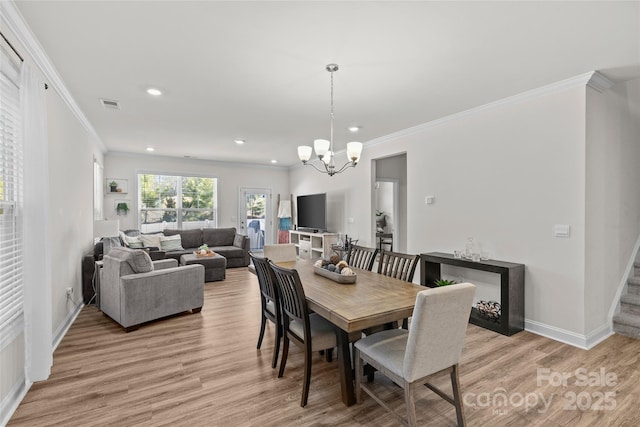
(176, 202)
(11, 284)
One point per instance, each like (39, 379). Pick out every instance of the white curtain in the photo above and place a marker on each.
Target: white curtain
(37, 269)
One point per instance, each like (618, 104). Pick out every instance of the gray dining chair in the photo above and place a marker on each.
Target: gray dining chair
(270, 306)
(433, 345)
(307, 330)
(361, 257)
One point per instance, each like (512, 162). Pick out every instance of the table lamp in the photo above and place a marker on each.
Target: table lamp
(108, 231)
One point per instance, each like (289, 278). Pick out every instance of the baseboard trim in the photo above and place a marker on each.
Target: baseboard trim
(584, 342)
(64, 327)
(12, 400)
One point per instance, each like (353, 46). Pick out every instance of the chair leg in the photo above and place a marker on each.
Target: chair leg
(307, 377)
(411, 406)
(329, 355)
(359, 371)
(262, 325)
(276, 346)
(285, 353)
(457, 397)
(405, 323)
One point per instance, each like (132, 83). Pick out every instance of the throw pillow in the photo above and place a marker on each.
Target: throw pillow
(131, 242)
(171, 243)
(140, 262)
(151, 239)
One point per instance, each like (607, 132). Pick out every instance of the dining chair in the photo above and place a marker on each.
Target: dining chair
(433, 345)
(270, 303)
(398, 265)
(361, 257)
(280, 253)
(307, 330)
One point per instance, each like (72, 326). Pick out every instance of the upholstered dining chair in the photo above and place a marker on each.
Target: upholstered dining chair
(433, 345)
(307, 330)
(280, 253)
(269, 303)
(361, 257)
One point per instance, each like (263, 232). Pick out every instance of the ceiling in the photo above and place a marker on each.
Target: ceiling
(256, 70)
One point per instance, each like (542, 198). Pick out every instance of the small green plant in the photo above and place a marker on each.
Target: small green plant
(444, 282)
(122, 208)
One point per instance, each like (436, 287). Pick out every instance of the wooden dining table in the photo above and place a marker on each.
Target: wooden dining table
(373, 300)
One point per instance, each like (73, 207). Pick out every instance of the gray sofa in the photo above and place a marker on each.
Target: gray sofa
(225, 241)
(134, 289)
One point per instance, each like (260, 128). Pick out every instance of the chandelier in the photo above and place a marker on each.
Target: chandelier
(324, 148)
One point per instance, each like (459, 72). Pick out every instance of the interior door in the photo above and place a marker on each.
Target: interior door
(254, 216)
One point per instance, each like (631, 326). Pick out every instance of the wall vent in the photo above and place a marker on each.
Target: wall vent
(110, 104)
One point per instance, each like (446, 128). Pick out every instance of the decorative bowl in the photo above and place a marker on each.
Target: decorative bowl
(336, 277)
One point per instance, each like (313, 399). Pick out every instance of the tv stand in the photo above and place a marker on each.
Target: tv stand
(312, 244)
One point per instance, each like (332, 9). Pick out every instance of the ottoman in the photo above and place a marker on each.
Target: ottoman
(214, 266)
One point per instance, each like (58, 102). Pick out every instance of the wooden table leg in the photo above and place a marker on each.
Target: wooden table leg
(344, 365)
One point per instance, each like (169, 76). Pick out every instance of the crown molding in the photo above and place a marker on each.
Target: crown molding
(10, 15)
(599, 82)
(592, 79)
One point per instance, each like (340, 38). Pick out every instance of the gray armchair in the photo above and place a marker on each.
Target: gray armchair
(134, 290)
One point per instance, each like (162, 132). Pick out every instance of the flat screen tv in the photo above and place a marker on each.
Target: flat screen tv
(312, 212)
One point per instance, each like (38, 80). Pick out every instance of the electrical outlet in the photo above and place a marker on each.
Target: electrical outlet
(69, 291)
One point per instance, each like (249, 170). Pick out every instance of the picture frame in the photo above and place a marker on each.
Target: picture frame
(116, 186)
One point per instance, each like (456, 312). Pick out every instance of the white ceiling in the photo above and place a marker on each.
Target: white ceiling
(256, 70)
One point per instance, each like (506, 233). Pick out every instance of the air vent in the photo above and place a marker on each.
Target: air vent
(110, 104)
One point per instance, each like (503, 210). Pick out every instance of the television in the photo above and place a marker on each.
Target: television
(312, 212)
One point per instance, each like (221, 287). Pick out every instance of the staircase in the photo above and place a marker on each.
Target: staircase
(627, 322)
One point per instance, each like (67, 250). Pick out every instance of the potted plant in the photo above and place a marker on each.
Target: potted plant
(444, 282)
(122, 208)
(113, 186)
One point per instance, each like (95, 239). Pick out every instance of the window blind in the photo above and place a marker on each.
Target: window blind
(11, 161)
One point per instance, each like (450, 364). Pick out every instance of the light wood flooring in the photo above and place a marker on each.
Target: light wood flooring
(204, 370)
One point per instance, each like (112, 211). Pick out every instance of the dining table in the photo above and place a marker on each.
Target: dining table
(374, 299)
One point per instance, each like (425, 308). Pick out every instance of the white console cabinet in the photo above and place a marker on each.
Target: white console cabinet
(312, 245)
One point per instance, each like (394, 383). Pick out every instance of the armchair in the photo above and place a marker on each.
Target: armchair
(134, 290)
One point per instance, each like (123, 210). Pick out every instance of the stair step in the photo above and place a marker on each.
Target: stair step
(630, 299)
(630, 303)
(634, 285)
(627, 324)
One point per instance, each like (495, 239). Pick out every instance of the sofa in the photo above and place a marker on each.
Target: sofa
(135, 290)
(224, 241)
(234, 247)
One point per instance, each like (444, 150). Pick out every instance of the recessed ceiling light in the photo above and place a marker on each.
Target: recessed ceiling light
(274, 161)
(354, 128)
(151, 149)
(239, 141)
(153, 91)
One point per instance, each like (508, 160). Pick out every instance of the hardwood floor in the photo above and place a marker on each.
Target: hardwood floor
(204, 370)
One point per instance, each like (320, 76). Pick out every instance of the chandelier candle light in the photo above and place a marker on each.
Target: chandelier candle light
(324, 148)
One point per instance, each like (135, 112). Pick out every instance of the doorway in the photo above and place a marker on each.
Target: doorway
(389, 200)
(254, 216)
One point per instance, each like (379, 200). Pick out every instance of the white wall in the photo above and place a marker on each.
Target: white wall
(613, 199)
(69, 208)
(230, 178)
(504, 175)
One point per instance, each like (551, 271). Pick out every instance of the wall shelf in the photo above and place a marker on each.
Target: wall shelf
(511, 288)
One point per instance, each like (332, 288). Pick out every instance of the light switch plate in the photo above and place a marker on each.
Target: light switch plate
(562, 230)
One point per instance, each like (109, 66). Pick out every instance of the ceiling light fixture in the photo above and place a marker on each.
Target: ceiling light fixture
(324, 148)
(153, 91)
(239, 141)
(274, 161)
(353, 128)
(151, 149)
